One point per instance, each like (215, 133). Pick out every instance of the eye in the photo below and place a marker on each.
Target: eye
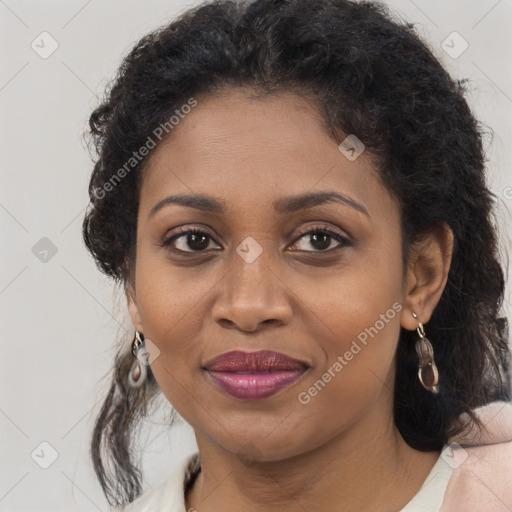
(321, 238)
(189, 240)
(197, 240)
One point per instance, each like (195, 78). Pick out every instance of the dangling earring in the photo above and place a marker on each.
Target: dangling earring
(427, 372)
(138, 371)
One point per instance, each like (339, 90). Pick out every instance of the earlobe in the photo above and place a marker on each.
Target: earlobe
(427, 274)
(131, 300)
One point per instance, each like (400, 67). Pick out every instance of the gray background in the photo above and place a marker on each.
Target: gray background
(59, 316)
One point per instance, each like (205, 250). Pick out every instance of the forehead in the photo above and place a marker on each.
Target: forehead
(251, 151)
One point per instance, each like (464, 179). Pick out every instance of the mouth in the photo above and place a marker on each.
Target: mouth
(254, 375)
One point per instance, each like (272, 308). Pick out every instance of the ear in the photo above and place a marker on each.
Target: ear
(427, 272)
(133, 309)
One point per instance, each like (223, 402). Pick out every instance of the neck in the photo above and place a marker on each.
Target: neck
(367, 456)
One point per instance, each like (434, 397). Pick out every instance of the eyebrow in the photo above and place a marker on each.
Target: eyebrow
(282, 206)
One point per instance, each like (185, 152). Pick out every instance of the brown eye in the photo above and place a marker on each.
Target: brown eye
(189, 240)
(321, 239)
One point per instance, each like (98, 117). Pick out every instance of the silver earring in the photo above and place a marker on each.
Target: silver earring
(427, 369)
(138, 371)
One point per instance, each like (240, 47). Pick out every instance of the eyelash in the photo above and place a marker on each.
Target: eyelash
(344, 242)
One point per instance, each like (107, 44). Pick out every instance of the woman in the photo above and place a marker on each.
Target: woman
(293, 196)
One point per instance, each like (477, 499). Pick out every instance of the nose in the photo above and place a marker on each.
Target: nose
(253, 297)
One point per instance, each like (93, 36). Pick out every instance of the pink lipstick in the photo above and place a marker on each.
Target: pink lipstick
(254, 375)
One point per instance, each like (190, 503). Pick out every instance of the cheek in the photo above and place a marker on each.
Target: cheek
(360, 299)
(355, 321)
(171, 304)
(358, 351)
(365, 314)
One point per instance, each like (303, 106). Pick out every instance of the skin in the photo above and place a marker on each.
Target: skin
(295, 298)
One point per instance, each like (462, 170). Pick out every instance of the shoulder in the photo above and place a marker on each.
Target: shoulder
(481, 478)
(482, 463)
(168, 494)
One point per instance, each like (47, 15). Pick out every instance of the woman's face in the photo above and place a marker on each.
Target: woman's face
(256, 278)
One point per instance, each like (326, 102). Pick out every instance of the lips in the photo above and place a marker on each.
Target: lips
(264, 360)
(254, 375)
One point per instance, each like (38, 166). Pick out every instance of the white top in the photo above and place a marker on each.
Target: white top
(169, 496)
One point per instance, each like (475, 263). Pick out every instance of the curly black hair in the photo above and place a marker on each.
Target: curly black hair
(370, 74)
